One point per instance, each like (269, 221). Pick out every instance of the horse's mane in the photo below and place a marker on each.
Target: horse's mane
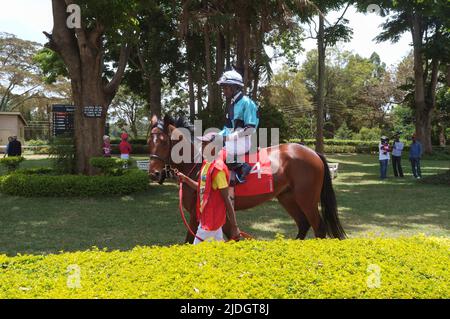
(181, 122)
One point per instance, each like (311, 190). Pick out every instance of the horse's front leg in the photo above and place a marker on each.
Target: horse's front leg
(189, 203)
(193, 224)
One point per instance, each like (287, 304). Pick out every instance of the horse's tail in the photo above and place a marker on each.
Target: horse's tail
(329, 205)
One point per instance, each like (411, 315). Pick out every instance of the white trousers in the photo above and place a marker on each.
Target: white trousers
(208, 235)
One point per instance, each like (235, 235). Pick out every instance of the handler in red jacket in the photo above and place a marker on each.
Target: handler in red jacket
(214, 205)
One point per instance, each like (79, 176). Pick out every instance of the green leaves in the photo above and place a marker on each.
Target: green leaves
(405, 268)
(39, 184)
(11, 162)
(51, 65)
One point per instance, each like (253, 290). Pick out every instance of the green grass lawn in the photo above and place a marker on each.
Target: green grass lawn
(368, 207)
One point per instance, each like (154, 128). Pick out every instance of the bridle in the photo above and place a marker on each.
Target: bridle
(168, 170)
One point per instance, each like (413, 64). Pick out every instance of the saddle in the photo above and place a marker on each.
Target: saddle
(259, 180)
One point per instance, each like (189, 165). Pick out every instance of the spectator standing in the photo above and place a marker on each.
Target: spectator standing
(125, 148)
(15, 147)
(383, 149)
(415, 153)
(10, 139)
(397, 149)
(106, 146)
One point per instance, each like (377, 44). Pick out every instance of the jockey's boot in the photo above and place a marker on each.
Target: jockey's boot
(245, 170)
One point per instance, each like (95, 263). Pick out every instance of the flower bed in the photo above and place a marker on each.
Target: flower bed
(414, 267)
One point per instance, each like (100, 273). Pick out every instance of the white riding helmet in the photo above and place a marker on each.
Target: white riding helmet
(231, 78)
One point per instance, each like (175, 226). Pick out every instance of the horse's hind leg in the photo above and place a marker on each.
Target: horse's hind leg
(287, 200)
(306, 201)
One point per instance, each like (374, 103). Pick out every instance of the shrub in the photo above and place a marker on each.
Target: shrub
(36, 171)
(62, 152)
(136, 141)
(368, 134)
(11, 163)
(408, 268)
(110, 165)
(135, 149)
(36, 185)
(37, 143)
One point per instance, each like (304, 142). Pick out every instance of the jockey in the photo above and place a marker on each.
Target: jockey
(241, 122)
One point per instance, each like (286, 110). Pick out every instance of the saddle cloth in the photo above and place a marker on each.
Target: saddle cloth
(260, 179)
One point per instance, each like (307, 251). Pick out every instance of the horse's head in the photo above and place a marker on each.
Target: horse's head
(159, 144)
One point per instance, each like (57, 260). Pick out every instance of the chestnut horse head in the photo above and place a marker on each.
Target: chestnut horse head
(160, 142)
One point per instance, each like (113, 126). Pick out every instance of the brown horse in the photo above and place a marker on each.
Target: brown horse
(301, 181)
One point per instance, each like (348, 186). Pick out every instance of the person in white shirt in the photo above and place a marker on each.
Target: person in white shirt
(383, 149)
(397, 149)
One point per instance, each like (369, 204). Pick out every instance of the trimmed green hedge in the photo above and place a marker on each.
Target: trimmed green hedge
(136, 141)
(111, 166)
(38, 185)
(11, 163)
(135, 149)
(414, 267)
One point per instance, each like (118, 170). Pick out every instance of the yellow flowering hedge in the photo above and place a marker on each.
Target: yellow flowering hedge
(415, 267)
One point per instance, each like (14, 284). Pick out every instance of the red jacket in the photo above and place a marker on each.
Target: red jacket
(214, 212)
(124, 147)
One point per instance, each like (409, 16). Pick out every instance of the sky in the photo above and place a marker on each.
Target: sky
(28, 18)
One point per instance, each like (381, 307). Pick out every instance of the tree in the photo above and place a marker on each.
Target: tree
(128, 108)
(288, 93)
(357, 91)
(103, 25)
(156, 56)
(428, 23)
(19, 79)
(326, 37)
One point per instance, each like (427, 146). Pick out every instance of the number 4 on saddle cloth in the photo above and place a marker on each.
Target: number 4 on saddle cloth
(260, 179)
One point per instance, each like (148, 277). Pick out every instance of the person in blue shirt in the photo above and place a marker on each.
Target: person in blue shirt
(241, 122)
(415, 153)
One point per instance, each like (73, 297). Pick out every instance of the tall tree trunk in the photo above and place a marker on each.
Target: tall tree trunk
(220, 66)
(191, 95)
(442, 138)
(88, 131)
(82, 52)
(154, 87)
(423, 113)
(448, 74)
(320, 85)
(189, 53)
(242, 34)
(200, 105)
(208, 65)
(228, 47)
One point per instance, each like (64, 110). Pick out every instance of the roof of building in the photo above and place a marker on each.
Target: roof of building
(15, 114)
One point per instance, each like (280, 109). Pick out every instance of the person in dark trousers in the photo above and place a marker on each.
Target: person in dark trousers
(10, 139)
(15, 147)
(397, 149)
(415, 153)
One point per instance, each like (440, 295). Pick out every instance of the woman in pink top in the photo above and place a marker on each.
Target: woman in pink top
(106, 146)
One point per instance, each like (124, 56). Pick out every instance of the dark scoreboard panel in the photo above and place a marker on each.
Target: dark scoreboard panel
(62, 119)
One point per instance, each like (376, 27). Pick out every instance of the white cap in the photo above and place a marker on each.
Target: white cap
(231, 78)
